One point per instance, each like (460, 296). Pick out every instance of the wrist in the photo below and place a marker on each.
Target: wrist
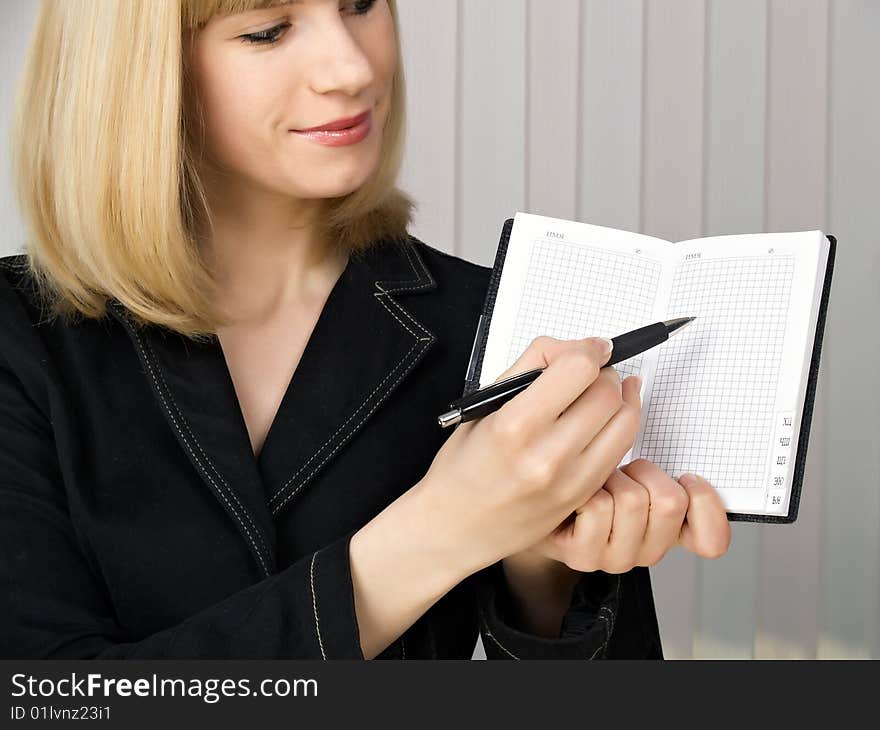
(413, 528)
(541, 590)
(530, 573)
(454, 536)
(401, 564)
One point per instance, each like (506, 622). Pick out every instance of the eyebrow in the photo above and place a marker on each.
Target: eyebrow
(268, 6)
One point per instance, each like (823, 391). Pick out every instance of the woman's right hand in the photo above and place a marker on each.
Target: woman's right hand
(502, 482)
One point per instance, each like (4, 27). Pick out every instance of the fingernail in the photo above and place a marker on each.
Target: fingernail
(605, 345)
(638, 382)
(689, 480)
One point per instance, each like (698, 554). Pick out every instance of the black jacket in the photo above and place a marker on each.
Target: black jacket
(136, 522)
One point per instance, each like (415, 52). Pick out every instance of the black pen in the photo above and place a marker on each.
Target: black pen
(486, 400)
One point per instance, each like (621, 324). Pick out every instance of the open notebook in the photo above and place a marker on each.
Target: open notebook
(730, 397)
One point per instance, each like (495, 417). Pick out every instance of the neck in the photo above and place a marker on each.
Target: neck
(265, 254)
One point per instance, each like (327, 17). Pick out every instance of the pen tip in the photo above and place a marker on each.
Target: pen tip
(676, 324)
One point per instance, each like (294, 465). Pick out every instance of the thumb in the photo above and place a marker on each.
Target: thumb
(706, 529)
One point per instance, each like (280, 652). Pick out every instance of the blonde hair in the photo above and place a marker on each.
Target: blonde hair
(104, 158)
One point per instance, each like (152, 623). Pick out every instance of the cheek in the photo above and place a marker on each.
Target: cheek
(232, 112)
(379, 43)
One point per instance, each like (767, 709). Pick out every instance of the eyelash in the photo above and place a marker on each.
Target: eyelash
(269, 36)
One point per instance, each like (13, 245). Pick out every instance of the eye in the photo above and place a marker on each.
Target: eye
(266, 37)
(363, 7)
(273, 35)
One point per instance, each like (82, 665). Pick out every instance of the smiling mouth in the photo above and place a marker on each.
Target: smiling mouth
(344, 135)
(339, 124)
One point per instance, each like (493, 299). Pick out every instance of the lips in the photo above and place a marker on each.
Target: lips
(338, 124)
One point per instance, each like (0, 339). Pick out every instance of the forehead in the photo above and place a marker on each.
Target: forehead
(196, 13)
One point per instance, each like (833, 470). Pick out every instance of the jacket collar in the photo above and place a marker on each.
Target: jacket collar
(364, 344)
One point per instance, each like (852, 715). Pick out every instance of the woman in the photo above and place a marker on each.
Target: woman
(222, 359)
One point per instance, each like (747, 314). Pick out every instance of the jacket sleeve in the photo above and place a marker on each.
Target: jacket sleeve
(609, 617)
(54, 605)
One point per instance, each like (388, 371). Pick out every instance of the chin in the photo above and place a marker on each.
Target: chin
(340, 186)
(329, 191)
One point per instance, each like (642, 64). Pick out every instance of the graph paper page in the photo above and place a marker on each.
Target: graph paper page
(725, 395)
(571, 280)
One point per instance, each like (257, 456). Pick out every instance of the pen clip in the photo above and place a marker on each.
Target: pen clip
(492, 387)
(472, 360)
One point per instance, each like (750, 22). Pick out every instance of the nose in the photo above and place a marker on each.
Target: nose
(340, 64)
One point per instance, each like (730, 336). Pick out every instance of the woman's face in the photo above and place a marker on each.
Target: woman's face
(311, 62)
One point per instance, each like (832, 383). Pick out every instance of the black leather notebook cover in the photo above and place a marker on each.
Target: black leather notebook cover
(472, 381)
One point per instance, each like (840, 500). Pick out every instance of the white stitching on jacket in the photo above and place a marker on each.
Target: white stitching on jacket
(609, 625)
(611, 613)
(189, 448)
(314, 602)
(383, 293)
(489, 633)
(602, 646)
(379, 296)
(324, 445)
(208, 460)
(329, 439)
(406, 251)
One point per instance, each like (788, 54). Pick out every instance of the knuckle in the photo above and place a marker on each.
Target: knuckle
(582, 564)
(579, 361)
(602, 502)
(653, 558)
(540, 342)
(609, 388)
(672, 503)
(536, 470)
(615, 567)
(637, 467)
(508, 428)
(587, 366)
(632, 501)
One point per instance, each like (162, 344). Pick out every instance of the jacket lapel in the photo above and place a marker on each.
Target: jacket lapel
(363, 345)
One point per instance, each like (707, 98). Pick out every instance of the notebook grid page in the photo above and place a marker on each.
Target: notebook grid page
(574, 291)
(711, 409)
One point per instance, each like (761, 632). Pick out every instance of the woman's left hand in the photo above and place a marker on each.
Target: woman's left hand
(635, 518)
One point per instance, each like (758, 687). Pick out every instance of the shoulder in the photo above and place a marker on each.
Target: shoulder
(13, 267)
(450, 262)
(30, 332)
(457, 278)
(23, 351)
(19, 303)
(18, 291)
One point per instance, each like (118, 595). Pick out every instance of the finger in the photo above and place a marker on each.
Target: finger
(631, 504)
(706, 530)
(586, 417)
(602, 455)
(584, 545)
(541, 351)
(570, 366)
(669, 503)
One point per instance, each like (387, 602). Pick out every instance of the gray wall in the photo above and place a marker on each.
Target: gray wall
(677, 118)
